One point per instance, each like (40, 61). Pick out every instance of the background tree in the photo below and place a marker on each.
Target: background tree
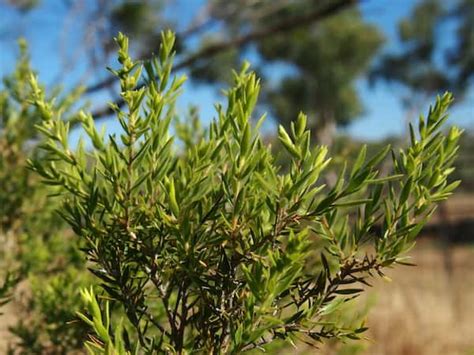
(426, 65)
(323, 61)
(329, 59)
(436, 54)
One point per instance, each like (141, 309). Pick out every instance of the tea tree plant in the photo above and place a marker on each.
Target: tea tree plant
(206, 244)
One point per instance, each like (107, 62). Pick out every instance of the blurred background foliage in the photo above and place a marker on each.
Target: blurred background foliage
(311, 55)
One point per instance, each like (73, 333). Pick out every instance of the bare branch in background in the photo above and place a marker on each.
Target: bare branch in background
(213, 49)
(202, 21)
(68, 62)
(92, 38)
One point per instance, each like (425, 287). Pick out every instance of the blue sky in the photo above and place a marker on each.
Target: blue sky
(44, 28)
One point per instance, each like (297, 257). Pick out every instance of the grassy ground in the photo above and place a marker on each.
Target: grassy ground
(427, 309)
(7, 319)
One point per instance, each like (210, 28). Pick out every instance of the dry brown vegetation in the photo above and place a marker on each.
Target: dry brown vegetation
(427, 309)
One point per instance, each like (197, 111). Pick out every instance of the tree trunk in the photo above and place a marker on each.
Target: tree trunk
(325, 129)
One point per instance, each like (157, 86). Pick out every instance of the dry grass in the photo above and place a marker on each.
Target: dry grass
(427, 309)
(11, 314)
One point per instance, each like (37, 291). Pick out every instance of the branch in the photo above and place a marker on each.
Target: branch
(214, 49)
(200, 23)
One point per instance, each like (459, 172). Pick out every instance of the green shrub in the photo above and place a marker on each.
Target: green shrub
(36, 246)
(206, 243)
(6, 287)
(50, 324)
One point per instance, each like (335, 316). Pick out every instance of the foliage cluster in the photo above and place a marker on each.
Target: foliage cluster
(206, 243)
